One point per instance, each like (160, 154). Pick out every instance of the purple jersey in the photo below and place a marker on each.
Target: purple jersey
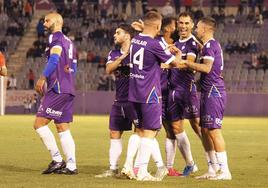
(62, 79)
(212, 82)
(121, 76)
(146, 54)
(183, 79)
(164, 73)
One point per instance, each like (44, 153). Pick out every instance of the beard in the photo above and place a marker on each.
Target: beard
(175, 35)
(50, 29)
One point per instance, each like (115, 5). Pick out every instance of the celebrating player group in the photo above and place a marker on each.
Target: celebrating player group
(155, 86)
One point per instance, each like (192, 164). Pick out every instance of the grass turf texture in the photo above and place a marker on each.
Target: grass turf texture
(23, 156)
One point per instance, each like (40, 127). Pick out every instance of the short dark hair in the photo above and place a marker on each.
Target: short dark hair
(210, 22)
(152, 16)
(186, 14)
(127, 28)
(167, 21)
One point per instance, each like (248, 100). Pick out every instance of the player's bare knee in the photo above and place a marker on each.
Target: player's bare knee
(214, 133)
(40, 122)
(62, 127)
(177, 127)
(115, 134)
(149, 133)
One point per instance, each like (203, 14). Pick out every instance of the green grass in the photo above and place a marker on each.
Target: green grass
(23, 156)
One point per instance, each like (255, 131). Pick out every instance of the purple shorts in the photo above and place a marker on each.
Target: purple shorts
(149, 115)
(183, 104)
(165, 114)
(211, 110)
(121, 116)
(58, 107)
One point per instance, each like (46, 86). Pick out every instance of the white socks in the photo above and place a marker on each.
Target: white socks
(212, 161)
(49, 140)
(115, 152)
(222, 160)
(185, 148)
(68, 148)
(132, 148)
(144, 154)
(170, 152)
(156, 154)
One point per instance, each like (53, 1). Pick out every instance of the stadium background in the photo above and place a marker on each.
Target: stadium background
(22, 156)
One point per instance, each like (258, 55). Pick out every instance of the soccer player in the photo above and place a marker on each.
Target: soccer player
(183, 99)
(169, 35)
(146, 54)
(168, 38)
(121, 115)
(57, 102)
(3, 68)
(134, 139)
(213, 100)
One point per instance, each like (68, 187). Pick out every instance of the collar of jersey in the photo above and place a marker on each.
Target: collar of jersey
(184, 40)
(143, 35)
(208, 41)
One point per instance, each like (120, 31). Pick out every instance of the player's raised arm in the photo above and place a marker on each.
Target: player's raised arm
(122, 37)
(205, 32)
(111, 66)
(205, 67)
(176, 62)
(138, 25)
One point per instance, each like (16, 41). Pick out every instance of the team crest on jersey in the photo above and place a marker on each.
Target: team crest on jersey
(40, 109)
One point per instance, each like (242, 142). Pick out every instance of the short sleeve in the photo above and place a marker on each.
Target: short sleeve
(54, 41)
(162, 53)
(208, 52)
(193, 49)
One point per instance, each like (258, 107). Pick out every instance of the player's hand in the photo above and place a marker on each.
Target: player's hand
(137, 25)
(174, 50)
(182, 64)
(39, 85)
(164, 66)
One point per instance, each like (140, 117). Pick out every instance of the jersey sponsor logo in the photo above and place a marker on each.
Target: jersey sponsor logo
(139, 76)
(191, 109)
(207, 119)
(52, 112)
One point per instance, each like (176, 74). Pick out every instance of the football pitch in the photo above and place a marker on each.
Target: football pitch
(23, 156)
